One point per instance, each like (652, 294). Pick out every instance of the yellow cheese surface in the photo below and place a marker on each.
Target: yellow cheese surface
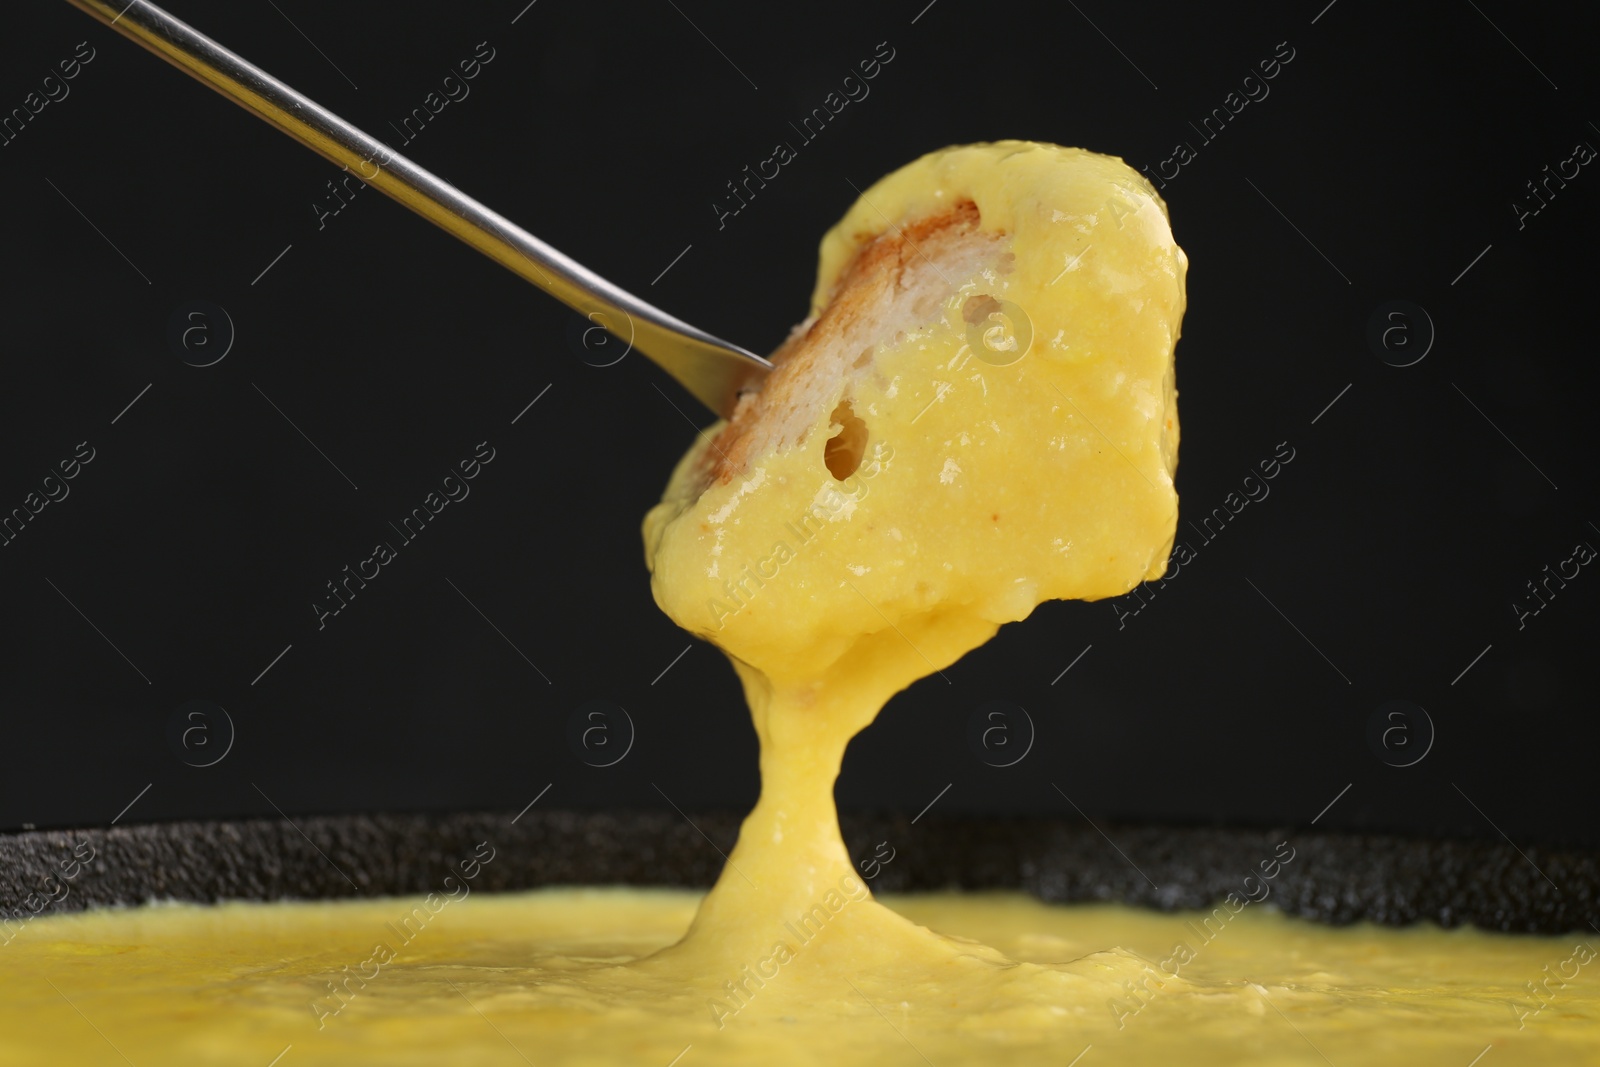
(1019, 446)
(541, 978)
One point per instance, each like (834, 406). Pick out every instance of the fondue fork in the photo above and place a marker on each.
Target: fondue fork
(711, 369)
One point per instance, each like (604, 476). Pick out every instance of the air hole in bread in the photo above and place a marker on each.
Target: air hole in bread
(978, 308)
(844, 449)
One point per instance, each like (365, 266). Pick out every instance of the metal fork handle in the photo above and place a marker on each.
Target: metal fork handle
(710, 368)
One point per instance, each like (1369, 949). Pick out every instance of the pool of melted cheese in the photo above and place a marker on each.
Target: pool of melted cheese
(1017, 454)
(546, 978)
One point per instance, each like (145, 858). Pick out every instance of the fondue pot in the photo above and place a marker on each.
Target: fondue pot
(1336, 878)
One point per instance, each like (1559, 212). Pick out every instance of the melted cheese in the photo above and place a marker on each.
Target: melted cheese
(989, 481)
(545, 978)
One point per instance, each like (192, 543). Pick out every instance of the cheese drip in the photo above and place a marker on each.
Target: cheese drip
(1014, 438)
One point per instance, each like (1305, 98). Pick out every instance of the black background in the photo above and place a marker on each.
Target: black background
(196, 541)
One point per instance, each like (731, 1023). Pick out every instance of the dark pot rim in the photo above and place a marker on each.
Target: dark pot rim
(1331, 877)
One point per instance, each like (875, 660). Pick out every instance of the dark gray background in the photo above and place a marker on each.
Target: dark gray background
(1385, 159)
